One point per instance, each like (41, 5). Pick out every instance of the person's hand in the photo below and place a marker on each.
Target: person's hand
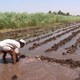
(18, 54)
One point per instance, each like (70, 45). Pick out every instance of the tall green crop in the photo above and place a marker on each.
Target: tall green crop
(17, 20)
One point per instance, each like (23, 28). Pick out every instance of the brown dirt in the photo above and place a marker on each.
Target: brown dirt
(36, 64)
(31, 68)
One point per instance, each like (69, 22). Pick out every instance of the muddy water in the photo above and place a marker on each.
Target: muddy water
(32, 38)
(40, 50)
(29, 45)
(72, 42)
(31, 68)
(58, 54)
(54, 33)
(48, 37)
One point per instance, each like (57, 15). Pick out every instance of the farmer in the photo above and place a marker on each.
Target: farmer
(11, 47)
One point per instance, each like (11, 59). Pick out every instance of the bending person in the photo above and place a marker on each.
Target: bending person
(11, 47)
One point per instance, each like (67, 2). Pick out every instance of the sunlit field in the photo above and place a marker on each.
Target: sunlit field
(52, 46)
(19, 20)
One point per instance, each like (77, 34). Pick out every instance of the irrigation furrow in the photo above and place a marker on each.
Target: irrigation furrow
(63, 42)
(35, 45)
(73, 48)
(62, 49)
(47, 35)
(70, 62)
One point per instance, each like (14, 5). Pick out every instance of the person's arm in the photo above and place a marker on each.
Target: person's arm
(13, 55)
(12, 52)
(17, 51)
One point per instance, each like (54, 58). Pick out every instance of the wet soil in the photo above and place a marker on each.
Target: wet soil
(55, 56)
(32, 68)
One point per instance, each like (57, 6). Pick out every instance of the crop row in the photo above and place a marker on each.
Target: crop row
(35, 45)
(63, 42)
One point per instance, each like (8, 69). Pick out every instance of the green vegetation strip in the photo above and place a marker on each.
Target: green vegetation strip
(12, 20)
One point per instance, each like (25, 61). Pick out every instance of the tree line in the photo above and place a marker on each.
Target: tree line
(60, 13)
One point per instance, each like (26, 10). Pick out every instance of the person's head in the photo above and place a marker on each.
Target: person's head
(22, 42)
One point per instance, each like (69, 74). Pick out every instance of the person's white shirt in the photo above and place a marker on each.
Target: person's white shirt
(9, 44)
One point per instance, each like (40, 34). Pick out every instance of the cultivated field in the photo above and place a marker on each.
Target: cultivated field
(52, 50)
(54, 55)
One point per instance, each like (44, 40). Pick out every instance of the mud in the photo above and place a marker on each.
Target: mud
(70, 62)
(52, 38)
(61, 43)
(60, 62)
(32, 68)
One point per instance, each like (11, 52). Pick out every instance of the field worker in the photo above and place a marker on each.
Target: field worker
(11, 47)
